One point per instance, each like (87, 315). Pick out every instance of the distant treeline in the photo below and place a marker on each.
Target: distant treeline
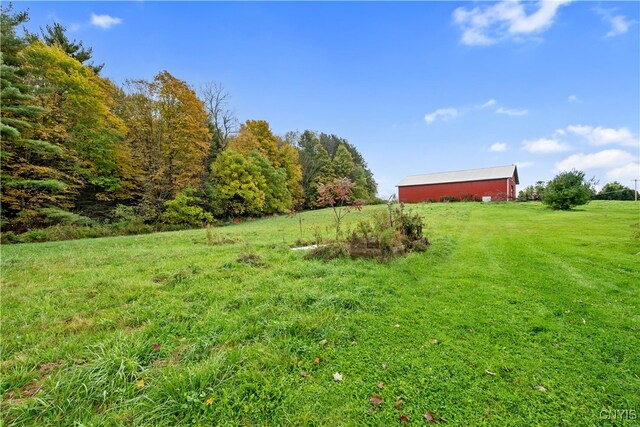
(77, 148)
(611, 191)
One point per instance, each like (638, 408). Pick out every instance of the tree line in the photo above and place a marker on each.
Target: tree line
(610, 191)
(77, 147)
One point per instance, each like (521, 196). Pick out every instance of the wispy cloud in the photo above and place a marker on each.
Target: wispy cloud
(487, 25)
(544, 146)
(449, 113)
(522, 165)
(599, 160)
(512, 112)
(499, 147)
(489, 103)
(443, 114)
(619, 24)
(603, 136)
(572, 98)
(104, 21)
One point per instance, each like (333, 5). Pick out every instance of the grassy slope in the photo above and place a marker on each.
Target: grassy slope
(540, 298)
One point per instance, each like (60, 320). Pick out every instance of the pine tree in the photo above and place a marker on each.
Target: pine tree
(323, 175)
(29, 180)
(55, 35)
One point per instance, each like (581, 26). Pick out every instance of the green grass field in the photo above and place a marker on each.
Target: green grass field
(516, 315)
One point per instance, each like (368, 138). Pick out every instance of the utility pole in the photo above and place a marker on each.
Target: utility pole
(635, 189)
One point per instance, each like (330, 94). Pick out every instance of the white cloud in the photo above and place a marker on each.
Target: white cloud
(603, 136)
(544, 145)
(601, 159)
(511, 112)
(104, 21)
(523, 165)
(627, 172)
(572, 98)
(619, 23)
(499, 147)
(443, 114)
(486, 25)
(488, 104)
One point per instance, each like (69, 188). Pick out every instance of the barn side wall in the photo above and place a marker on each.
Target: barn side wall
(498, 189)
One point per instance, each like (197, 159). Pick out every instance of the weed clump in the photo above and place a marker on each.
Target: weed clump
(388, 234)
(328, 252)
(214, 239)
(250, 257)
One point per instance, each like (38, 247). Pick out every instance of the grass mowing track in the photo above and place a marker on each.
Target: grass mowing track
(165, 329)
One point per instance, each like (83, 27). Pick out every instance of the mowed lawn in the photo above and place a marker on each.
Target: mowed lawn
(516, 315)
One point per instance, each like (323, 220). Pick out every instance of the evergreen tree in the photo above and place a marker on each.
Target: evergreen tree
(29, 178)
(55, 35)
(315, 164)
(323, 175)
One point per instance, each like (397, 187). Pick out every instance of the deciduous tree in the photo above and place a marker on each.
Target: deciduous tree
(79, 120)
(256, 135)
(343, 162)
(568, 189)
(222, 121)
(274, 185)
(337, 194)
(169, 136)
(236, 185)
(615, 191)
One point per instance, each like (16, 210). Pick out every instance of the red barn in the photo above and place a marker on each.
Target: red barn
(499, 183)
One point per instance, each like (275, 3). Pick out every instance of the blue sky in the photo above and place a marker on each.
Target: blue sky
(418, 87)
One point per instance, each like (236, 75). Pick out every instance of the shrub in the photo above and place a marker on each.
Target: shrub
(328, 252)
(60, 216)
(8, 237)
(338, 195)
(126, 213)
(184, 209)
(568, 189)
(449, 199)
(388, 234)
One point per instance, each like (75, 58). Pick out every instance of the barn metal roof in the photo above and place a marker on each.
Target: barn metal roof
(462, 176)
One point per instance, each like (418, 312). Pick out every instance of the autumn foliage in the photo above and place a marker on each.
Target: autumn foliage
(74, 141)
